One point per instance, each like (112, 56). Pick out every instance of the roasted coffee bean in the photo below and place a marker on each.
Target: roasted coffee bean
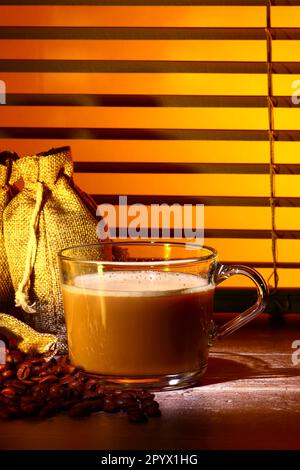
(100, 391)
(40, 391)
(52, 362)
(16, 384)
(75, 384)
(33, 386)
(30, 408)
(152, 411)
(79, 411)
(62, 360)
(125, 403)
(36, 369)
(16, 357)
(75, 395)
(44, 373)
(58, 370)
(132, 393)
(37, 361)
(48, 379)
(90, 394)
(66, 380)
(91, 384)
(77, 387)
(8, 392)
(8, 358)
(10, 412)
(27, 399)
(95, 405)
(133, 408)
(145, 394)
(27, 382)
(14, 411)
(7, 374)
(67, 404)
(35, 389)
(98, 404)
(127, 396)
(36, 379)
(49, 410)
(137, 416)
(111, 405)
(69, 369)
(149, 402)
(56, 391)
(23, 371)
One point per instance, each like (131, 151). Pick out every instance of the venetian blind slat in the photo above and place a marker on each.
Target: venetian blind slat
(165, 101)
(207, 84)
(145, 118)
(175, 50)
(179, 151)
(135, 16)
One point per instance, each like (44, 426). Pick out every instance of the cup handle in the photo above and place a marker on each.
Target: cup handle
(224, 272)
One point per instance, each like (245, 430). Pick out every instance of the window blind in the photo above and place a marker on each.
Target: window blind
(169, 101)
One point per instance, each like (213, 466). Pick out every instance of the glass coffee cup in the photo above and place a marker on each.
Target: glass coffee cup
(139, 314)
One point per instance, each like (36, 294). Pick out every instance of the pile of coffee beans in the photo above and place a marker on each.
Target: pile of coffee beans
(31, 386)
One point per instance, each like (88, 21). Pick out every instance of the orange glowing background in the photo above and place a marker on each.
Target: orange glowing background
(173, 85)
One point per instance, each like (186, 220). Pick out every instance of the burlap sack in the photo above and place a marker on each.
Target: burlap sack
(6, 287)
(48, 214)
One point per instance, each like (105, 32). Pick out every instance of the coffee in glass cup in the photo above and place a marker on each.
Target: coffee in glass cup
(145, 320)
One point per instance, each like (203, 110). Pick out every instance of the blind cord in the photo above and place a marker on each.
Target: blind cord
(272, 165)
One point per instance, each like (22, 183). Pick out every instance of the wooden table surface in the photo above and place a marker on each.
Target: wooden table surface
(248, 399)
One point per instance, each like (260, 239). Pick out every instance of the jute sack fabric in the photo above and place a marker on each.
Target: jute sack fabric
(50, 213)
(6, 286)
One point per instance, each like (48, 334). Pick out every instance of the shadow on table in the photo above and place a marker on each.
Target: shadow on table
(237, 367)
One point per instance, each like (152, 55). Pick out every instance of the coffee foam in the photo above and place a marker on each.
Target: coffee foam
(139, 283)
